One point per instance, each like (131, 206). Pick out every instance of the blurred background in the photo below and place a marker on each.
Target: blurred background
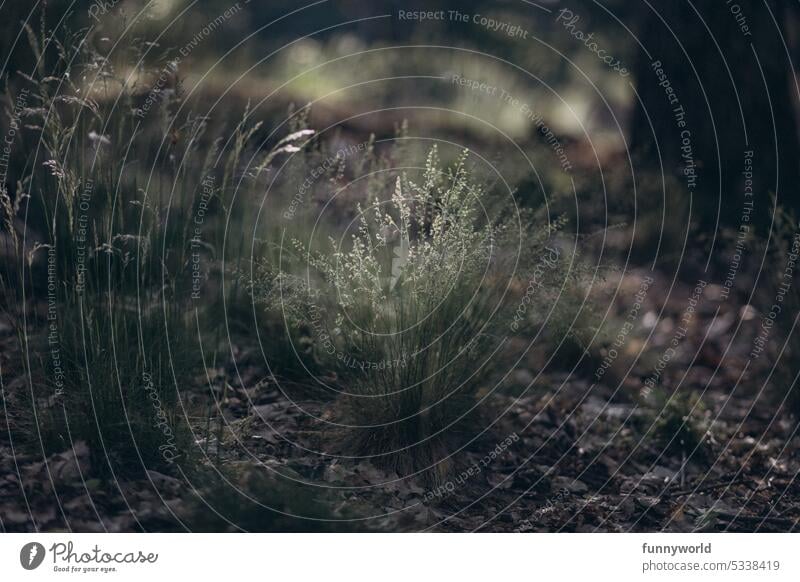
(530, 86)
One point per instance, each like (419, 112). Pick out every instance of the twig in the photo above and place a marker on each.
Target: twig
(707, 487)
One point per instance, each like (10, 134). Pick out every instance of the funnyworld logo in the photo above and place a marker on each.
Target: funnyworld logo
(31, 555)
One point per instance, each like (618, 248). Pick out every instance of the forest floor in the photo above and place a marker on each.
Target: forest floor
(570, 454)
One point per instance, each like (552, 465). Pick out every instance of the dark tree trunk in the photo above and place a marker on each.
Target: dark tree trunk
(738, 94)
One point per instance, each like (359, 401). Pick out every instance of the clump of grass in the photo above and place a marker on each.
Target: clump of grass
(104, 298)
(104, 355)
(681, 425)
(411, 310)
